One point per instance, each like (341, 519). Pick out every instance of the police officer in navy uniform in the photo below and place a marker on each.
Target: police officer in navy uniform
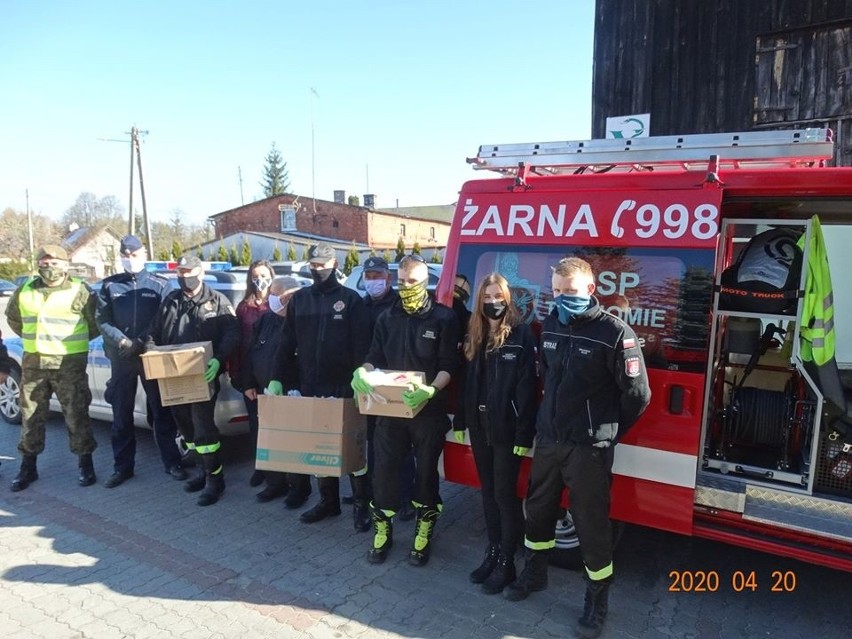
(595, 388)
(197, 313)
(126, 305)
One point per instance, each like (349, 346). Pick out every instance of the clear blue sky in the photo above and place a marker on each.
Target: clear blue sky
(408, 89)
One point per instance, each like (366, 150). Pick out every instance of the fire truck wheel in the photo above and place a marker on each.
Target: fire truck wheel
(567, 552)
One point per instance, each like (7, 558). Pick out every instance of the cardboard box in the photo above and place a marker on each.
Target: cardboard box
(386, 398)
(177, 360)
(179, 370)
(185, 389)
(310, 435)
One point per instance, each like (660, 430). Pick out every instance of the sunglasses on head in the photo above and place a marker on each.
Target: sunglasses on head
(416, 257)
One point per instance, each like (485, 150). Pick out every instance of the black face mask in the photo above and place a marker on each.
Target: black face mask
(494, 310)
(320, 275)
(189, 283)
(460, 294)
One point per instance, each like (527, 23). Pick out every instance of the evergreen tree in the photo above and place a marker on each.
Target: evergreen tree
(352, 260)
(386, 256)
(372, 252)
(245, 257)
(234, 256)
(276, 253)
(276, 178)
(305, 254)
(436, 257)
(291, 252)
(353, 200)
(400, 250)
(222, 253)
(416, 247)
(177, 250)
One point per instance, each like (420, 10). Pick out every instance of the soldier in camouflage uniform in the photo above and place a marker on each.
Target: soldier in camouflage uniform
(54, 315)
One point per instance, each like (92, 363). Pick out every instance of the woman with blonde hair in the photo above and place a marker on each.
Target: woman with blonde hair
(497, 405)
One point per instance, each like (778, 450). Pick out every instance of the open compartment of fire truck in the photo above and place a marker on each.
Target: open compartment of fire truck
(763, 408)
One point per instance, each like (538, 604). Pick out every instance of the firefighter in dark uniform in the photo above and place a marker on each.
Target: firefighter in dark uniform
(197, 313)
(595, 388)
(126, 305)
(55, 316)
(328, 324)
(416, 334)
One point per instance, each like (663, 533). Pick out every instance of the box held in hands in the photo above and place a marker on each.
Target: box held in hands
(386, 398)
(310, 435)
(179, 370)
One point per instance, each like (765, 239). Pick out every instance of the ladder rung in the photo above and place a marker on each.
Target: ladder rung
(758, 149)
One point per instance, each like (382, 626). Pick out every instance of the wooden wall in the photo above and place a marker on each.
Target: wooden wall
(702, 66)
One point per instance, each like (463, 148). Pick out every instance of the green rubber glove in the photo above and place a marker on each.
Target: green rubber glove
(521, 451)
(419, 394)
(275, 388)
(458, 435)
(212, 370)
(359, 381)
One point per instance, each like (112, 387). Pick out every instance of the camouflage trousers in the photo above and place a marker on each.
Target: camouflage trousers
(71, 385)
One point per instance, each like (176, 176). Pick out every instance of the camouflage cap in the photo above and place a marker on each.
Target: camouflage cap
(52, 250)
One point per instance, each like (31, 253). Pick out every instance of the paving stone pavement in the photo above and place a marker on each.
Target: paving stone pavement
(142, 560)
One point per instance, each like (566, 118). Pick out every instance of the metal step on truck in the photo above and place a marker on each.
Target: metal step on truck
(747, 439)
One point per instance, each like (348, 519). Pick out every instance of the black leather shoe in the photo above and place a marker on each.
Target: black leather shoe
(87, 475)
(295, 500)
(271, 492)
(177, 473)
(117, 479)
(320, 511)
(257, 478)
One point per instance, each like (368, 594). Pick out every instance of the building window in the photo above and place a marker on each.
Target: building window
(402, 230)
(288, 217)
(335, 224)
(431, 232)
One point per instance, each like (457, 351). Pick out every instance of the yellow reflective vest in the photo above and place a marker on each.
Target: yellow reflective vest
(50, 327)
(817, 323)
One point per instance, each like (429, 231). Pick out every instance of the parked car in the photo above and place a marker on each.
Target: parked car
(299, 270)
(231, 417)
(7, 288)
(355, 280)
(20, 280)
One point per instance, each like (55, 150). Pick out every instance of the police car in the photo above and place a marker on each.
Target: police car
(231, 416)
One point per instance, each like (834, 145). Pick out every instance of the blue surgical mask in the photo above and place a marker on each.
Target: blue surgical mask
(567, 306)
(376, 288)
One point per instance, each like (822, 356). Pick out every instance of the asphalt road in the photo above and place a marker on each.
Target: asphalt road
(143, 560)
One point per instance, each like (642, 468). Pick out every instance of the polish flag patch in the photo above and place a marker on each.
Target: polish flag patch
(628, 343)
(632, 367)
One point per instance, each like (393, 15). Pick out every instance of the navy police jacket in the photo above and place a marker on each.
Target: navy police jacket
(595, 382)
(126, 305)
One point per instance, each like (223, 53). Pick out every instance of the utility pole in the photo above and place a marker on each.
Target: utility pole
(240, 175)
(148, 242)
(313, 154)
(133, 133)
(30, 231)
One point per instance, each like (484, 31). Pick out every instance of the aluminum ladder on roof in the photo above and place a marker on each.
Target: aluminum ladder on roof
(754, 149)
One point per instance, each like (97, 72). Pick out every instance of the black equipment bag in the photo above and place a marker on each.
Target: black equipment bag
(765, 277)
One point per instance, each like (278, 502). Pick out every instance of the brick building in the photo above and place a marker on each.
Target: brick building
(343, 222)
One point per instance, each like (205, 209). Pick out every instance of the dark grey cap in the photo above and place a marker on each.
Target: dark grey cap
(321, 252)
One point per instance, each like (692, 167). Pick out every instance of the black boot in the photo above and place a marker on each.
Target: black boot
(257, 478)
(532, 579)
(196, 482)
(590, 625)
(276, 486)
(299, 491)
(360, 502)
(214, 480)
(382, 534)
(87, 470)
(329, 503)
(27, 474)
(502, 575)
(481, 574)
(424, 526)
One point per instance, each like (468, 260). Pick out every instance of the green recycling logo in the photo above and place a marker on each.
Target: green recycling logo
(638, 128)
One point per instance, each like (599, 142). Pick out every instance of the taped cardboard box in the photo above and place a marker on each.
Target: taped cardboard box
(177, 360)
(310, 435)
(179, 370)
(386, 398)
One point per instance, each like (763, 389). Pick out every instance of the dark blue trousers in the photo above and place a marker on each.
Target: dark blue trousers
(121, 394)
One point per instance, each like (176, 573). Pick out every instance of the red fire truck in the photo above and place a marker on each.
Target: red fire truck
(757, 458)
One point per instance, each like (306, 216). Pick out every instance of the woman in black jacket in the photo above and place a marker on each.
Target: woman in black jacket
(497, 404)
